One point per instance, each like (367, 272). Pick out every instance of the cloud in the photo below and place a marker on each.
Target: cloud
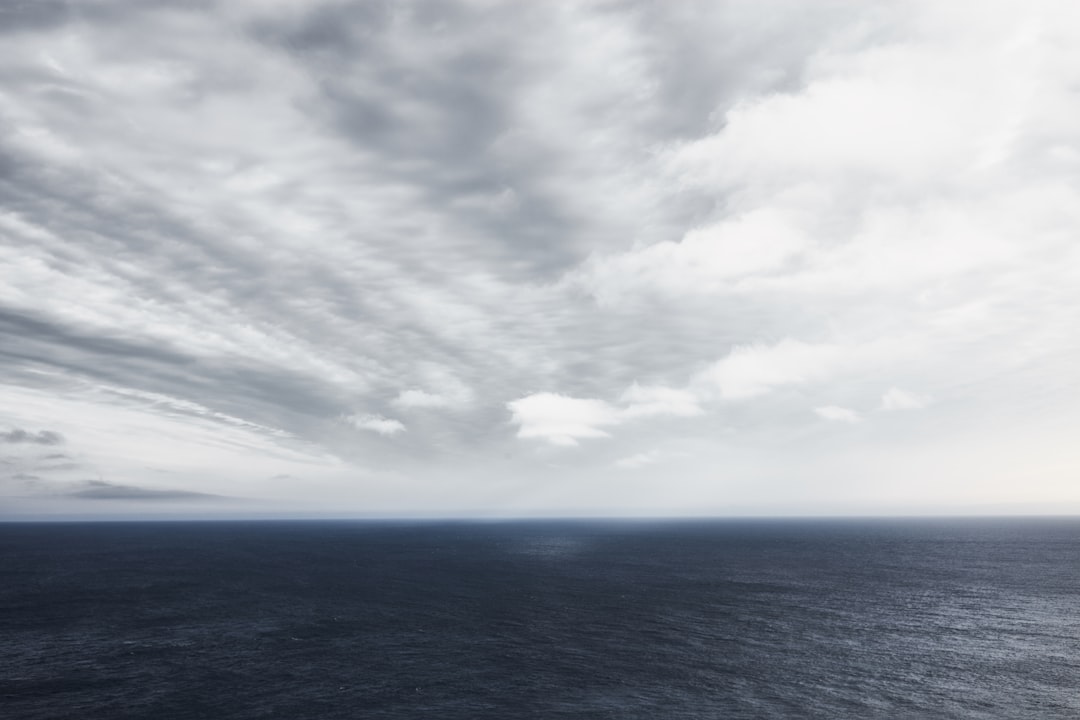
(705, 260)
(560, 419)
(654, 400)
(838, 414)
(688, 221)
(420, 399)
(58, 466)
(449, 392)
(376, 423)
(751, 370)
(897, 399)
(102, 490)
(42, 437)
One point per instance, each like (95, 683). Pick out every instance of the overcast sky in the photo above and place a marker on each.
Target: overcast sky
(538, 258)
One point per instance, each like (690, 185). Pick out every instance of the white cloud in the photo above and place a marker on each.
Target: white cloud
(562, 420)
(750, 370)
(897, 399)
(838, 414)
(376, 423)
(653, 400)
(706, 258)
(747, 371)
(941, 96)
(922, 149)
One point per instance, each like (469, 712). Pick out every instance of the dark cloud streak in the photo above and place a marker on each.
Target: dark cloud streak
(41, 437)
(102, 490)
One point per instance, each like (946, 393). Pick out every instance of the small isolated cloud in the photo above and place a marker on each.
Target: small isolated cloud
(838, 414)
(897, 399)
(376, 423)
(562, 420)
(42, 437)
(650, 400)
(639, 460)
(102, 490)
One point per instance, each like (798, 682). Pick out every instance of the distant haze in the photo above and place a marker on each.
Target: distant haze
(529, 258)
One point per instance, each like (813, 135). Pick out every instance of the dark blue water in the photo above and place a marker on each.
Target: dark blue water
(912, 619)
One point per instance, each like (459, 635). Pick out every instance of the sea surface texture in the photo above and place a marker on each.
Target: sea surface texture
(884, 619)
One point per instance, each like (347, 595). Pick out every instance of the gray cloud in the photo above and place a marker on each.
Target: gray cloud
(102, 490)
(31, 16)
(41, 437)
(59, 466)
(257, 392)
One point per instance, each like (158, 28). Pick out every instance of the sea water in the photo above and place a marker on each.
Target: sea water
(720, 619)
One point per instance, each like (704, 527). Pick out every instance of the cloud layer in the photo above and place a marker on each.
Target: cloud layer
(463, 257)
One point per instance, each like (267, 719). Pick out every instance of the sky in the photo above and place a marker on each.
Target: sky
(501, 259)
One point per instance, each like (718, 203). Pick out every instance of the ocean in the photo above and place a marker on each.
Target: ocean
(570, 619)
